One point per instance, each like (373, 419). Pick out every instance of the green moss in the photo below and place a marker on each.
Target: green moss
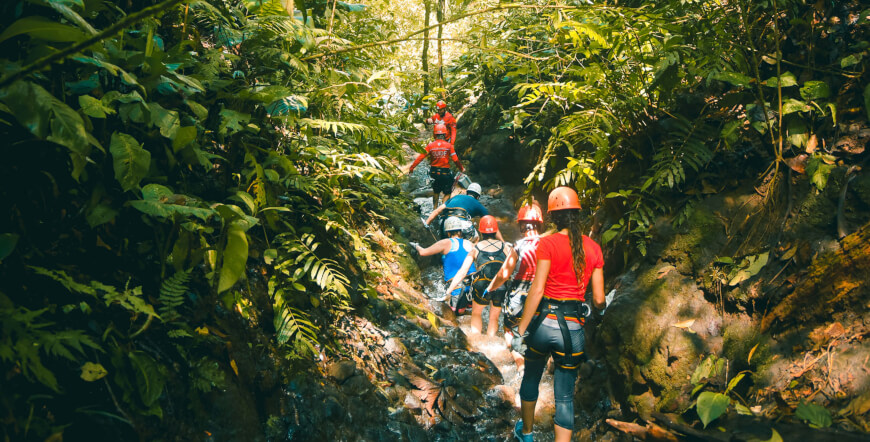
(817, 210)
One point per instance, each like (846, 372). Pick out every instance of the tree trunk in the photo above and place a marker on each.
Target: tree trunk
(425, 56)
(834, 282)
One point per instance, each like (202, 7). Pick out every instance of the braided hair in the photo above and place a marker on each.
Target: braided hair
(570, 219)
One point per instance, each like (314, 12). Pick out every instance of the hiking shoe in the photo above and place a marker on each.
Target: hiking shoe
(518, 433)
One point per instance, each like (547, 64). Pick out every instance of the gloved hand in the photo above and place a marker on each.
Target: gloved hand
(414, 246)
(518, 343)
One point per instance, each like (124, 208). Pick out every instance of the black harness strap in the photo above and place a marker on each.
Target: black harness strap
(558, 309)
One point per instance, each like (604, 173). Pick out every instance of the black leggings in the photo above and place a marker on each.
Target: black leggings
(544, 341)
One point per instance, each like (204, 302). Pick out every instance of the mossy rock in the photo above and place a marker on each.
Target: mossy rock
(695, 243)
(817, 211)
(656, 331)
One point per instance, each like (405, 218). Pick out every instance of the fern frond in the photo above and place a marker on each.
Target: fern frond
(172, 293)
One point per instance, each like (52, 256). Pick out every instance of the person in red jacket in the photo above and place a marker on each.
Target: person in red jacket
(443, 117)
(440, 152)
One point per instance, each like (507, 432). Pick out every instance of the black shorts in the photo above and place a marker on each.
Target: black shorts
(496, 297)
(442, 179)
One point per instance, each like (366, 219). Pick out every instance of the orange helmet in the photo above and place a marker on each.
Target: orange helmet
(562, 198)
(488, 224)
(530, 213)
(440, 104)
(440, 129)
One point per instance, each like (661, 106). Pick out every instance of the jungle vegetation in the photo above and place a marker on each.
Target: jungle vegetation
(180, 171)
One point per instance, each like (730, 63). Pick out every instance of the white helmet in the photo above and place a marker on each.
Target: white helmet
(474, 187)
(454, 223)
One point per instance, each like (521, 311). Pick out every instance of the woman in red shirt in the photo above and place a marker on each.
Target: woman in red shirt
(554, 313)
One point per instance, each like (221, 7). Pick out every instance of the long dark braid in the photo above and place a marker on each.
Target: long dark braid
(570, 219)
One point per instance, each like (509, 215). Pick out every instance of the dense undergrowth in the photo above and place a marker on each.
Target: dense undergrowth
(174, 193)
(646, 107)
(201, 193)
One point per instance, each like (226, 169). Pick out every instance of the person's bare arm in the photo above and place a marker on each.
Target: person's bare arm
(536, 292)
(460, 274)
(435, 213)
(598, 299)
(434, 249)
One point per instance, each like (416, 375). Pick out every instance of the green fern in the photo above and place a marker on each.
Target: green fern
(172, 293)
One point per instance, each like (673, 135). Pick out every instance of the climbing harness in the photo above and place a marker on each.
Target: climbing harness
(488, 264)
(561, 310)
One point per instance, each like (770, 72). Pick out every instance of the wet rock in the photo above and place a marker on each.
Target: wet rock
(332, 408)
(341, 370)
(357, 385)
(500, 396)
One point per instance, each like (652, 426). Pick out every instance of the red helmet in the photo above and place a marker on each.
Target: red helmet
(488, 224)
(439, 129)
(440, 104)
(530, 213)
(562, 198)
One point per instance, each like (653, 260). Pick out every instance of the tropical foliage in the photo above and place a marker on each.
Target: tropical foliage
(644, 106)
(170, 183)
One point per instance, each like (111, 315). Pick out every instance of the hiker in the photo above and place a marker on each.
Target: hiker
(464, 205)
(453, 250)
(554, 313)
(446, 118)
(440, 152)
(488, 256)
(521, 265)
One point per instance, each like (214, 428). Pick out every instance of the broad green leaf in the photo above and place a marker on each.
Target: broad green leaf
(232, 121)
(814, 90)
(270, 255)
(63, 8)
(816, 415)
(790, 105)
(100, 215)
(183, 137)
(710, 367)
(93, 107)
(159, 201)
(797, 133)
(735, 380)
(199, 110)
(7, 244)
(248, 200)
(734, 78)
(235, 256)
(149, 379)
(787, 79)
(850, 60)
(711, 405)
(43, 29)
(166, 120)
(818, 171)
(130, 160)
(49, 118)
(92, 371)
(232, 213)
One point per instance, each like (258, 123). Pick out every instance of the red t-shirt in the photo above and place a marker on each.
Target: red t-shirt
(562, 281)
(448, 121)
(440, 153)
